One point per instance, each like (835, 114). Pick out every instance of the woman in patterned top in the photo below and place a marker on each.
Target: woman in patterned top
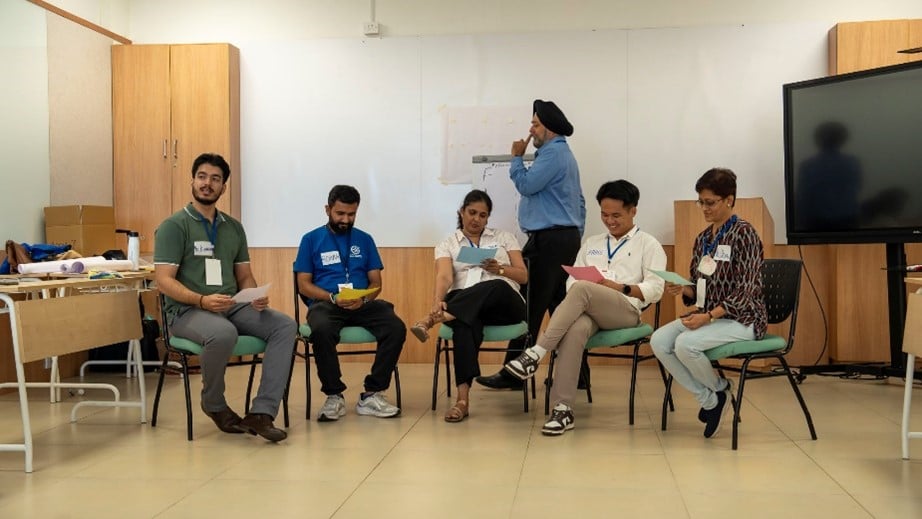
(726, 289)
(469, 296)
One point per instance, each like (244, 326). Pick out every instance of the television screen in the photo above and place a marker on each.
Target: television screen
(853, 157)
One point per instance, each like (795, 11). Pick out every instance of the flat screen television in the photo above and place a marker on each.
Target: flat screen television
(853, 157)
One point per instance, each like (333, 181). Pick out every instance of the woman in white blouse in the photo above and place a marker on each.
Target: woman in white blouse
(470, 296)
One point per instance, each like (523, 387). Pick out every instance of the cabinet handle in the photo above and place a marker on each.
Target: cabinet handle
(176, 148)
(164, 148)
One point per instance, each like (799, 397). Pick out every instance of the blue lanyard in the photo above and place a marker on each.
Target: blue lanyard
(343, 258)
(611, 253)
(472, 243)
(212, 230)
(708, 248)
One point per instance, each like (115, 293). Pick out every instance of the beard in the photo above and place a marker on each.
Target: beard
(340, 228)
(537, 141)
(205, 201)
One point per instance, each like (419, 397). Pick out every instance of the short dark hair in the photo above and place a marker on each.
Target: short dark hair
(721, 181)
(215, 160)
(621, 190)
(345, 194)
(472, 197)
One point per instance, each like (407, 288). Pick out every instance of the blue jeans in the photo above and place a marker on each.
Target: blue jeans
(681, 351)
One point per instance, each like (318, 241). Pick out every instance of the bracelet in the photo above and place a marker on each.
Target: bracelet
(200, 299)
(711, 316)
(332, 298)
(501, 271)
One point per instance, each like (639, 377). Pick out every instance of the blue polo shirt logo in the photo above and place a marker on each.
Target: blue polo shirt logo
(355, 252)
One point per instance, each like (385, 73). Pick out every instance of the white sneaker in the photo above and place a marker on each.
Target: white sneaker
(333, 409)
(376, 405)
(561, 421)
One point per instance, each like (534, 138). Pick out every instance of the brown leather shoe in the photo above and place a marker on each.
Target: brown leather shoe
(226, 419)
(261, 424)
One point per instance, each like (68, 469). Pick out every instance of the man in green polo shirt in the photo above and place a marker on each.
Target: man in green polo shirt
(201, 261)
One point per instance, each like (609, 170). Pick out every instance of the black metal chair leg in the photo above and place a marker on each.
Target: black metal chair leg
(163, 368)
(667, 398)
(800, 398)
(246, 403)
(435, 373)
(397, 386)
(185, 382)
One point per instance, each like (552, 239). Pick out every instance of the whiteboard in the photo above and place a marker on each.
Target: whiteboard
(491, 174)
(654, 106)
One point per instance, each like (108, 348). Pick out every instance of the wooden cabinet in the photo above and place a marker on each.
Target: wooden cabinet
(171, 103)
(857, 46)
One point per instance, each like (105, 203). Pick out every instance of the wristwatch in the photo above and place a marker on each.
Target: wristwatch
(626, 289)
(501, 271)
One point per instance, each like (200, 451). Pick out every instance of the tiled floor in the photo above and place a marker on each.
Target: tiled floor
(495, 464)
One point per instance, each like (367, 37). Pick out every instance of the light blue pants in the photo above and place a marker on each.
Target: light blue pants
(681, 351)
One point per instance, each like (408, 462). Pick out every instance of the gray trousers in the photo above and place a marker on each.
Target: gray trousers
(217, 333)
(587, 308)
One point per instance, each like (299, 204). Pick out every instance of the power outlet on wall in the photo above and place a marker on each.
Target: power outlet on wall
(371, 28)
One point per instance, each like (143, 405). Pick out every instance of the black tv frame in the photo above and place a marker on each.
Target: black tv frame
(895, 235)
(894, 239)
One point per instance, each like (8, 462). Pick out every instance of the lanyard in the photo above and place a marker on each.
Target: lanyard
(343, 258)
(708, 248)
(211, 230)
(472, 243)
(611, 253)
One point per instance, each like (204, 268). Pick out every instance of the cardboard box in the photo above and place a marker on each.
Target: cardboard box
(89, 229)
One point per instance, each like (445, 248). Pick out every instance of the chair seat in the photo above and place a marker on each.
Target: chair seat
(769, 343)
(603, 338)
(490, 333)
(348, 335)
(246, 345)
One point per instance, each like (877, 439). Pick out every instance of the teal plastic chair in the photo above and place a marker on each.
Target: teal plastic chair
(781, 289)
(610, 339)
(348, 335)
(490, 334)
(247, 346)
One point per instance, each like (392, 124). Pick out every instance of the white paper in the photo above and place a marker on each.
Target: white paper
(248, 295)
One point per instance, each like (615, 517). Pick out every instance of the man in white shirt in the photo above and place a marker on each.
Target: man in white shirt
(624, 255)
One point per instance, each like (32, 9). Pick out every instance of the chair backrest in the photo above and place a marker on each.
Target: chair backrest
(781, 289)
(294, 278)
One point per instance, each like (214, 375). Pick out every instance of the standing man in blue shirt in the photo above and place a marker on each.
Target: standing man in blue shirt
(333, 257)
(552, 212)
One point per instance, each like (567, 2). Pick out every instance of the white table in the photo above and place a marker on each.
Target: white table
(59, 317)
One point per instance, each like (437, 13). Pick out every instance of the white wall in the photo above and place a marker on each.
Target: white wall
(292, 23)
(24, 162)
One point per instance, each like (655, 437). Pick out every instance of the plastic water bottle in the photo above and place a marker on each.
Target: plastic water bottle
(134, 247)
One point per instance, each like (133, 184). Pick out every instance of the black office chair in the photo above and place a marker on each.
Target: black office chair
(348, 335)
(781, 289)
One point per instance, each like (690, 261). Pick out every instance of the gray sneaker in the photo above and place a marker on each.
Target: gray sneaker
(333, 409)
(376, 405)
(561, 421)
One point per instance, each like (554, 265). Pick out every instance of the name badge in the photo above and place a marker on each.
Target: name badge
(330, 258)
(473, 277)
(343, 285)
(203, 248)
(213, 272)
(707, 265)
(723, 253)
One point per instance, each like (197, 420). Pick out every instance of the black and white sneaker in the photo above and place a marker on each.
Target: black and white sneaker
(561, 421)
(524, 366)
(702, 413)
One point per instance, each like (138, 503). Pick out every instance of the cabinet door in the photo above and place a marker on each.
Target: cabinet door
(865, 45)
(205, 115)
(142, 173)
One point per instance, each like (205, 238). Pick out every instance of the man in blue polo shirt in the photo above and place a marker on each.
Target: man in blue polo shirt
(331, 258)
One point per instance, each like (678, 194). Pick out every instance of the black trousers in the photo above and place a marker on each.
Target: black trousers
(490, 303)
(545, 252)
(327, 320)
